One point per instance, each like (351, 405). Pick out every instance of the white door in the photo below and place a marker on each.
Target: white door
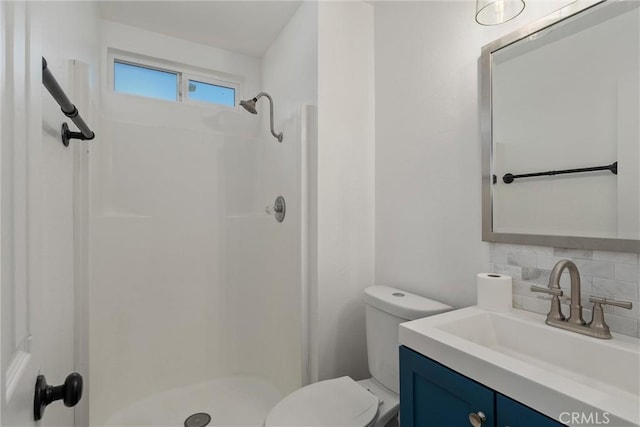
(36, 294)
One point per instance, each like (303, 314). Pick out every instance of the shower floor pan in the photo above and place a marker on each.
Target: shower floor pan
(232, 401)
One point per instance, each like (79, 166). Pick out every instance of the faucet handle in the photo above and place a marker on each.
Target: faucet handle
(555, 313)
(597, 324)
(607, 301)
(546, 290)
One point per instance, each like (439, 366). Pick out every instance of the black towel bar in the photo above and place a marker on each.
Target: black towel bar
(613, 167)
(67, 107)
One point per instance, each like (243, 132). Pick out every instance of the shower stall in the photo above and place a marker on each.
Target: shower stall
(198, 292)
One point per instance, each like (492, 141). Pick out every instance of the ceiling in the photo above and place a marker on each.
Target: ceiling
(247, 27)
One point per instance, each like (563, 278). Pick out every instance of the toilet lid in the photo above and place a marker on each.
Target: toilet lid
(338, 402)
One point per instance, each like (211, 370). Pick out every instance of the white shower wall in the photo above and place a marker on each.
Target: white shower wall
(289, 73)
(191, 279)
(265, 260)
(263, 266)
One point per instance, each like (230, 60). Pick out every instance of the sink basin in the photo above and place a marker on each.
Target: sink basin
(551, 370)
(569, 354)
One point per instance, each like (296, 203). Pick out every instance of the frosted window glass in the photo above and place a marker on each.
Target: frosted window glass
(144, 81)
(206, 92)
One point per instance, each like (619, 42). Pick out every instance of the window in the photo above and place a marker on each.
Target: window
(207, 92)
(144, 81)
(169, 81)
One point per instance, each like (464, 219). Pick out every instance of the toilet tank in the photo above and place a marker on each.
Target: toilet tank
(386, 308)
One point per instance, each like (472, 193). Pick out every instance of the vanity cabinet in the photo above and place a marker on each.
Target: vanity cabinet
(434, 395)
(510, 413)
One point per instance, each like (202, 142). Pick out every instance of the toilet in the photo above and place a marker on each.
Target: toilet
(373, 402)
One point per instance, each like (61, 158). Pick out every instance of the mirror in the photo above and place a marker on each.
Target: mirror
(560, 108)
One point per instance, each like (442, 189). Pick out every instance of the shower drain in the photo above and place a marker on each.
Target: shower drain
(200, 419)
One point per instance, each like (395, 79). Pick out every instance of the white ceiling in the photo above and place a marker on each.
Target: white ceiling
(247, 27)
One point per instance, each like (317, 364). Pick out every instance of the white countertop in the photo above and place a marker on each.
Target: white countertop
(546, 387)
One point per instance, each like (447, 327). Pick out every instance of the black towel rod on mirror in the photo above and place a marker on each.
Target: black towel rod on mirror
(509, 178)
(69, 110)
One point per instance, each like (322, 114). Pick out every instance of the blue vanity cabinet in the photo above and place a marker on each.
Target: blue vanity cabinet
(510, 413)
(432, 395)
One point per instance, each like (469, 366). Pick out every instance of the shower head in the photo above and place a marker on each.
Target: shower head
(250, 106)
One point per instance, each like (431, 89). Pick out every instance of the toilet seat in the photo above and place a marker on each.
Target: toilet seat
(338, 402)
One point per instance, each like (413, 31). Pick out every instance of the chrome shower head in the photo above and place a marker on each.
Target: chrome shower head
(250, 105)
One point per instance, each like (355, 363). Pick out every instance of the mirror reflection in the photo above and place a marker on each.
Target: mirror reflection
(565, 133)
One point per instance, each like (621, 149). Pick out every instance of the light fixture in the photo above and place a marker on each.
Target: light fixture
(494, 12)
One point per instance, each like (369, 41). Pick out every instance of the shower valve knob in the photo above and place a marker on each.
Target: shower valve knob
(278, 209)
(273, 209)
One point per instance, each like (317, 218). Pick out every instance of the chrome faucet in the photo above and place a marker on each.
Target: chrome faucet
(597, 327)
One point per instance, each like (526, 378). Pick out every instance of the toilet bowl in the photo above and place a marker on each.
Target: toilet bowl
(373, 402)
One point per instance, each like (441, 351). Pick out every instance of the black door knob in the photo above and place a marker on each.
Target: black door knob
(70, 393)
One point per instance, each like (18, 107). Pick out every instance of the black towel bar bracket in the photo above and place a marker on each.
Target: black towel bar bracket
(68, 109)
(509, 177)
(67, 135)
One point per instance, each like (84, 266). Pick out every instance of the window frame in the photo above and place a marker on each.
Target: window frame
(211, 80)
(184, 74)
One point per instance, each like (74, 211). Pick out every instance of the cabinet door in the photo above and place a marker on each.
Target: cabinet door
(514, 414)
(432, 395)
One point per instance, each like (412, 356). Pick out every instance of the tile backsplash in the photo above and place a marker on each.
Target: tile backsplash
(609, 274)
